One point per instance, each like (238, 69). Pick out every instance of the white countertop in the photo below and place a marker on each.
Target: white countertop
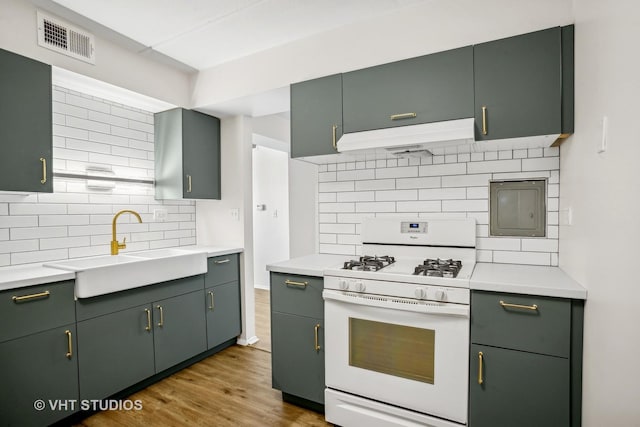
(526, 279)
(308, 265)
(20, 276)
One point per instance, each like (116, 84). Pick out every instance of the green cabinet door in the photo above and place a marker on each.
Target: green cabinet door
(179, 329)
(25, 124)
(115, 351)
(297, 364)
(223, 313)
(316, 116)
(425, 89)
(518, 389)
(200, 155)
(39, 367)
(518, 85)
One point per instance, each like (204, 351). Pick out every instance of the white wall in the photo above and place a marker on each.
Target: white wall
(270, 226)
(114, 64)
(303, 208)
(602, 191)
(75, 220)
(215, 224)
(413, 31)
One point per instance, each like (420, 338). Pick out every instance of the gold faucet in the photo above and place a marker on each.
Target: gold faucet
(115, 245)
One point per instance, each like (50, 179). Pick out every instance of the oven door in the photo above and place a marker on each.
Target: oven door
(407, 353)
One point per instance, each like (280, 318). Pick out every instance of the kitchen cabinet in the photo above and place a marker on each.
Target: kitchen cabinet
(38, 353)
(525, 360)
(187, 155)
(222, 300)
(316, 116)
(126, 337)
(26, 129)
(297, 338)
(524, 85)
(425, 89)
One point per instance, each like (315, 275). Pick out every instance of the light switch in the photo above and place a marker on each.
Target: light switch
(604, 140)
(235, 214)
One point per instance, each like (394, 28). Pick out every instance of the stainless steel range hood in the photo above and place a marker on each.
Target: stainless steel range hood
(428, 138)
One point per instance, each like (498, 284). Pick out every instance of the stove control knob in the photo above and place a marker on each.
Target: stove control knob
(360, 287)
(343, 285)
(421, 293)
(440, 295)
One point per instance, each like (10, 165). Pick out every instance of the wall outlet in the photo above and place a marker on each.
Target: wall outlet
(160, 215)
(565, 216)
(235, 214)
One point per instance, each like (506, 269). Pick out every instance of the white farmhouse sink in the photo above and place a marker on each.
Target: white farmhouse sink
(106, 274)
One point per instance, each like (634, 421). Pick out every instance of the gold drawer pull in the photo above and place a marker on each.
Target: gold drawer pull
(212, 305)
(334, 128)
(69, 344)
(484, 120)
(298, 284)
(222, 261)
(148, 327)
(480, 362)
(316, 329)
(161, 322)
(25, 298)
(403, 116)
(44, 170)
(189, 184)
(533, 307)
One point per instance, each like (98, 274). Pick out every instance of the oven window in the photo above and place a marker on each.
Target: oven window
(402, 351)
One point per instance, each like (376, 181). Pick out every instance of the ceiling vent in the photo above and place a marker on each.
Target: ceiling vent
(58, 35)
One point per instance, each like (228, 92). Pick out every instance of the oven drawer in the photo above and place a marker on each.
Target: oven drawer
(521, 322)
(294, 294)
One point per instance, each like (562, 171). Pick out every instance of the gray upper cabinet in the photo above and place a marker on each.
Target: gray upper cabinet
(26, 124)
(316, 116)
(524, 85)
(425, 89)
(187, 155)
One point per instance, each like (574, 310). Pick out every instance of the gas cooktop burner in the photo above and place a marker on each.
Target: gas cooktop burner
(439, 268)
(369, 263)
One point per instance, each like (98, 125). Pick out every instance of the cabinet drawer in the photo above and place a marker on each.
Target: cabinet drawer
(301, 295)
(24, 311)
(222, 269)
(545, 329)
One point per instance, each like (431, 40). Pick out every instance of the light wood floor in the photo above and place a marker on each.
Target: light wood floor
(231, 388)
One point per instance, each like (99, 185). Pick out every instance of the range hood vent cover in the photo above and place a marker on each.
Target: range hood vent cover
(411, 140)
(61, 37)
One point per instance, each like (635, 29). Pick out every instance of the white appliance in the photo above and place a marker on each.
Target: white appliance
(397, 326)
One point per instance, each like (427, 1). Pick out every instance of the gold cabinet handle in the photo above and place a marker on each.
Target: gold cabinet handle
(480, 362)
(188, 183)
(316, 329)
(25, 298)
(403, 116)
(211, 300)
(161, 322)
(334, 128)
(148, 327)
(222, 261)
(69, 344)
(298, 284)
(44, 170)
(533, 307)
(484, 120)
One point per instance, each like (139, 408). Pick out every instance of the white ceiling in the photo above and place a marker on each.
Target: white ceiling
(206, 33)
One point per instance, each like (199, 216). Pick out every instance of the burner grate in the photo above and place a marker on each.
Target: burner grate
(369, 263)
(439, 268)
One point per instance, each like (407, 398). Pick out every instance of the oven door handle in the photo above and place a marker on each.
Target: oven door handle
(396, 303)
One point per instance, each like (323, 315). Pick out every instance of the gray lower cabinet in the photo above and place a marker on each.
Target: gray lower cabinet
(26, 133)
(425, 89)
(316, 116)
(525, 361)
(126, 337)
(297, 337)
(223, 313)
(187, 155)
(38, 354)
(524, 85)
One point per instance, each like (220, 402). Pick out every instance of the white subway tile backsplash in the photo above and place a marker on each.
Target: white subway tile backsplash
(356, 175)
(442, 193)
(443, 170)
(477, 157)
(491, 155)
(87, 103)
(520, 154)
(540, 245)
(325, 187)
(15, 221)
(417, 183)
(41, 256)
(66, 154)
(498, 243)
(337, 249)
(477, 192)
(326, 176)
(466, 180)
(521, 175)
(356, 196)
(4, 234)
(506, 154)
(465, 205)
(64, 242)
(513, 257)
(378, 184)
(395, 195)
(70, 132)
(544, 163)
(37, 209)
(37, 232)
(352, 218)
(420, 206)
(108, 139)
(494, 166)
(88, 125)
(11, 246)
(484, 256)
(349, 239)
(375, 207)
(327, 197)
(327, 217)
(398, 172)
(336, 207)
(337, 228)
(327, 238)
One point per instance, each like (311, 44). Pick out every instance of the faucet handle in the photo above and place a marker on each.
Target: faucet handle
(123, 245)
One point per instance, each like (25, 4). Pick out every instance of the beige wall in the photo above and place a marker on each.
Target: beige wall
(600, 249)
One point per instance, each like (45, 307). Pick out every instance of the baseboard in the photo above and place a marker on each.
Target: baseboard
(265, 287)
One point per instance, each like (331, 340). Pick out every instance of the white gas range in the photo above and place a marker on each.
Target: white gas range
(397, 325)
